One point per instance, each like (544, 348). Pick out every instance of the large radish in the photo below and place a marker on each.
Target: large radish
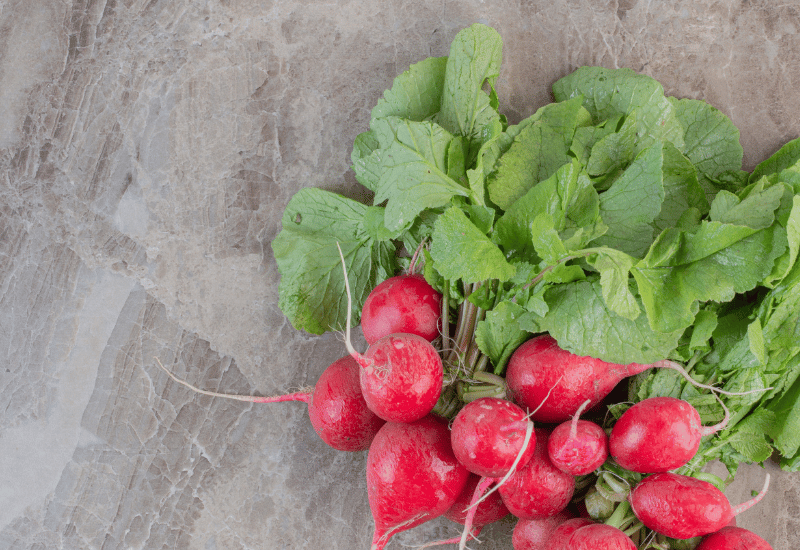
(412, 476)
(539, 368)
(683, 507)
(402, 304)
(658, 434)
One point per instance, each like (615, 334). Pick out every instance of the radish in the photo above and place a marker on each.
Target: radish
(488, 511)
(533, 534)
(487, 435)
(733, 538)
(336, 407)
(402, 304)
(412, 476)
(538, 489)
(658, 434)
(559, 539)
(539, 367)
(683, 507)
(579, 446)
(599, 536)
(402, 374)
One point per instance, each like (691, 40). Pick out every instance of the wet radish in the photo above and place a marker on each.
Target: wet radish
(412, 476)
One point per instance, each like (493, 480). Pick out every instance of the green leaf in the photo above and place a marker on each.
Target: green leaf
(614, 268)
(475, 57)
(609, 93)
(462, 251)
(414, 176)
(705, 322)
(366, 159)
(312, 291)
(711, 141)
(499, 334)
(785, 157)
(755, 335)
(416, 94)
(632, 203)
(682, 192)
(581, 322)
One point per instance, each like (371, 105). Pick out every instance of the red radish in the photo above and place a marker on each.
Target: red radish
(488, 511)
(599, 536)
(559, 539)
(658, 434)
(683, 507)
(412, 476)
(733, 538)
(402, 304)
(401, 375)
(579, 446)
(487, 435)
(533, 534)
(538, 489)
(336, 407)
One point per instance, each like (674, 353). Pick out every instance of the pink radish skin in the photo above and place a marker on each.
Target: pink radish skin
(599, 536)
(412, 476)
(683, 507)
(401, 378)
(336, 408)
(402, 304)
(538, 489)
(487, 435)
(540, 366)
(559, 539)
(658, 434)
(533, 534)
(578, 447)
(733, 538)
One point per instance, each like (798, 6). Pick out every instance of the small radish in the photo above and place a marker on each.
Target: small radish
(538, 489)
(540, 367)
(733, 538)
(599, 536)
(533, 534)
(336, 407)
(487, 435)
(402, 304)
(559, 539)
(658, 434)
(578, 447)
(412, 476)
(682, 507)
(402, 374)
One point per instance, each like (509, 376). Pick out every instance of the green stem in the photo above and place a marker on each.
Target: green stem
(620, 515)
(445, 320)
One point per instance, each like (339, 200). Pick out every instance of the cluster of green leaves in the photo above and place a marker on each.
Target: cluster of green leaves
(616, 218)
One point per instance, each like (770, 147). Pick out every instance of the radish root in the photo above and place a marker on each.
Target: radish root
(667, 364)
(303, 395)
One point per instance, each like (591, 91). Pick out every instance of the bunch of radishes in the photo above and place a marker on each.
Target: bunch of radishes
(422, 465)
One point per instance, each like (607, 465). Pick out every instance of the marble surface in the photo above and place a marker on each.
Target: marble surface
(147, 151)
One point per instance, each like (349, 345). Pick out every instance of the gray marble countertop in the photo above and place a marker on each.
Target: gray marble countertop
(147, 151)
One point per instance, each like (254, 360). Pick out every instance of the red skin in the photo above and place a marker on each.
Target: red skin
(337, 409)
(402, 304)
(533, 534)
(540, 366)
(679, 506)
(559, 539)
(487, 435)
(412, 476)
(581, 453)
(538, 489)
(733, 538)
(658, 434)
(402, 377)
(599, 536)
(490, 510)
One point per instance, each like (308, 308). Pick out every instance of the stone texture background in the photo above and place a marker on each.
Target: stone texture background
(147, 151)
